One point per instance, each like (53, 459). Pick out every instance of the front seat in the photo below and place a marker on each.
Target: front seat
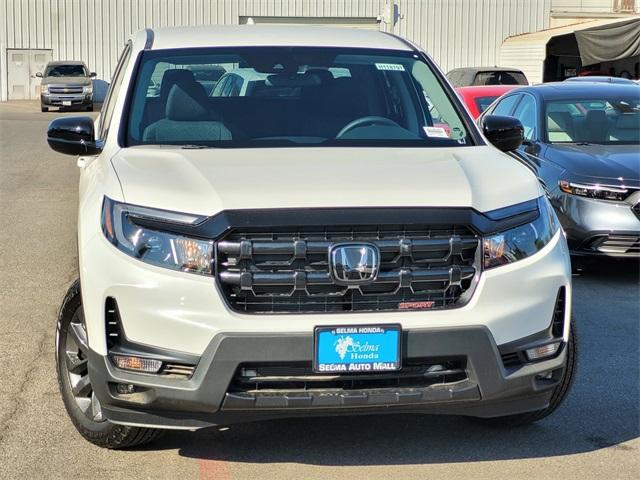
(597, 126)
(187, 118)
(155, 107)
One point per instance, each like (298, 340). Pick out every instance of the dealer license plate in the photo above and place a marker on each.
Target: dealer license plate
(358, 348)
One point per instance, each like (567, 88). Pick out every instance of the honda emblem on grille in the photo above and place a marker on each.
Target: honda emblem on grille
(354, 264)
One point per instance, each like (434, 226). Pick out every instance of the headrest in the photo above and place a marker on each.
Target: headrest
(173, 77)
(628, 120)
(187, 102)
(597, 116)
(325, 76)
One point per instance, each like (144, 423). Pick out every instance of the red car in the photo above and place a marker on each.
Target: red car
(477, 99)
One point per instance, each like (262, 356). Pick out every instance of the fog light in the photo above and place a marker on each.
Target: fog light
(542, 352)
(147, 365)
(125, 388)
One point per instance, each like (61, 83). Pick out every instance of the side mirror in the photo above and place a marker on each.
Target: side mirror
(73, 136)
(505, 133)
(39, 75)
(92, 74)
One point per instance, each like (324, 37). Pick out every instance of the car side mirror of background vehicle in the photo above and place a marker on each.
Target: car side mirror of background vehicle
(39, 75)
(73, 136)
(504, 133)
(92, 74)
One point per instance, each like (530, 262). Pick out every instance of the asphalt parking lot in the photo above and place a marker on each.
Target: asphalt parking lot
(593, 435)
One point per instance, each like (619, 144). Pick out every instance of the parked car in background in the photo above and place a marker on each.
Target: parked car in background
(466, 77)
(319, 247)
(582, 140)
(601, 79)
(66, 84)
(477, 99)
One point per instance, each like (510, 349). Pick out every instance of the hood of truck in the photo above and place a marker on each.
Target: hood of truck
(208, 181)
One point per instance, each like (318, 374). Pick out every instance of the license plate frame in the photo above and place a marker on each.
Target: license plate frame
(372, 359)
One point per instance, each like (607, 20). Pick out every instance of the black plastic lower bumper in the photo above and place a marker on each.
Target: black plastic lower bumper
(490, 389)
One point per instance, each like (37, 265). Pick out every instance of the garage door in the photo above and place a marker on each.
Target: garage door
(351, 22)
(22, 66)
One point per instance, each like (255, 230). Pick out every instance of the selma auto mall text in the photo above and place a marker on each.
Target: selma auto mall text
(357, 367)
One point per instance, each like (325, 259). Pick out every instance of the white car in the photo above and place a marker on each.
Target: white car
(321, 248)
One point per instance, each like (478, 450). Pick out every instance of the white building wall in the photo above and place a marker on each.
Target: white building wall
(461, 33)
(454, 32)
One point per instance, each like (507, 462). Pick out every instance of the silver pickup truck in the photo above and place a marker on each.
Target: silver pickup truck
(66, 84)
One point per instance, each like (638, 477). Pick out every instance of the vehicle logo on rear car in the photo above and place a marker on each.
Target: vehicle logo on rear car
(354, 264)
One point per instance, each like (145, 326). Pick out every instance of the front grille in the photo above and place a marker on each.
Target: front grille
(296, 377)
(70, 89)
(618, 245)
(287, 271)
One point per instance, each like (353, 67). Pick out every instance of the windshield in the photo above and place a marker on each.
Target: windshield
(290, 96)
(66, 71)
(599, 121)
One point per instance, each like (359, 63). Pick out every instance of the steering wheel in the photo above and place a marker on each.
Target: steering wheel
(369, 120)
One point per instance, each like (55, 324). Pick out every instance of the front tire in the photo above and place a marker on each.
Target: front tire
(44, 109)
(78, 397)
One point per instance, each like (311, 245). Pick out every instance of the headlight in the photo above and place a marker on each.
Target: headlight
(594, 191)
(87, 89)
(44, 88)
(122, 224)
(522, 241)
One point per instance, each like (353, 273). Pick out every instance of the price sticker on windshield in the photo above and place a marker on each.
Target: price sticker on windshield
(437, 132)
(394, 67)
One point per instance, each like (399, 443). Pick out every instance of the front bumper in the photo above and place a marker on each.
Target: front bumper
(185, 312)
(60, 100)
(490, 389)
(597, 227)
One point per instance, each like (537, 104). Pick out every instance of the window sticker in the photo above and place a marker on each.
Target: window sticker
(435, 132)
(394, 67)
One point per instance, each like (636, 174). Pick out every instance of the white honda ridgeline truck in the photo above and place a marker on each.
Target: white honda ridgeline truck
(334, 237)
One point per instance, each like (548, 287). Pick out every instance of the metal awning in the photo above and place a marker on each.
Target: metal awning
(598, 41)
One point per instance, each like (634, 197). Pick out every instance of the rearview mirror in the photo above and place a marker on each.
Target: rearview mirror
(39, 74)
(73, 136)
(504, 133)
(92, 74)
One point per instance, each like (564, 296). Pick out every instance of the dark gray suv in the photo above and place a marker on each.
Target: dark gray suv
(66, 84)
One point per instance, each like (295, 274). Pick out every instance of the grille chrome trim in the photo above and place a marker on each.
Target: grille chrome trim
(65, 89)
(281, 270)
